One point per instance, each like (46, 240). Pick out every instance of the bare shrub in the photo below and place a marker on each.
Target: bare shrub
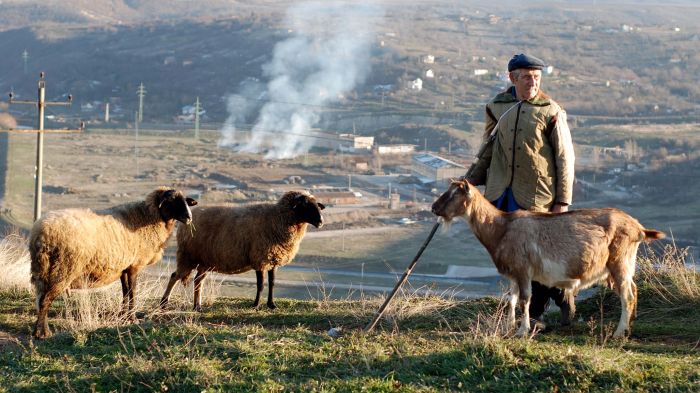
(90, 309)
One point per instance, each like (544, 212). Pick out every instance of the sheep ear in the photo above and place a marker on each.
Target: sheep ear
(298, 200)
(321, 205)
(191, 201)
(165, 196)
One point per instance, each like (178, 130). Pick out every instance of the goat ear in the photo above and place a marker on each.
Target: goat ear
(191, 201)
(321, 205)
(468, 189)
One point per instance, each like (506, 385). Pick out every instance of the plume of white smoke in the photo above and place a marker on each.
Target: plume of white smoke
(327, 56)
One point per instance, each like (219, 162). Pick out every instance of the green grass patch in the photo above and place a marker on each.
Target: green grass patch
(422, 344)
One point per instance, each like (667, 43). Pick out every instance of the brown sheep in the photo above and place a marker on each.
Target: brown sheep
(234, 240)
(571, 250)
(81, 248)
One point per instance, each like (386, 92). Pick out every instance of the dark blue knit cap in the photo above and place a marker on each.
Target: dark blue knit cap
(524, 61)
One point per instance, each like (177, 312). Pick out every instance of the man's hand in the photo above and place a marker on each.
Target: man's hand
(559, 208)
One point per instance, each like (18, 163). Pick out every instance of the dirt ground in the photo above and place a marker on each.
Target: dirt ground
(98, 170)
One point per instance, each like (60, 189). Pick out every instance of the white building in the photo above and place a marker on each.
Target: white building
(357, 142)
(417, 84)
(395, 149)
(435, 168)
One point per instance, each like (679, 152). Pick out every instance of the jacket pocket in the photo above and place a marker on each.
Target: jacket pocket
(544, 193)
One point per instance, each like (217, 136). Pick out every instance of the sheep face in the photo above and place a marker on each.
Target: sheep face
(307, 209)
(173, 205)
(453, 202)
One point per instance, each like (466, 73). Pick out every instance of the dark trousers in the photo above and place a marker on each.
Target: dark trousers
(539, 302)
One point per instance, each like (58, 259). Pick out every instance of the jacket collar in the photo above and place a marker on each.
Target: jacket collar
(507, 96)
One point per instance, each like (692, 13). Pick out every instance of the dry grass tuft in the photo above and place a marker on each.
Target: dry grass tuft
(670, 274)
(14, 263)
(491, 325)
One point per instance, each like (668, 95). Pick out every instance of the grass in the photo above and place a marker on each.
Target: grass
(21, 153)
(423, 344)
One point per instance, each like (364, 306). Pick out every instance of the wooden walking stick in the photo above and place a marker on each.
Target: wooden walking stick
(403, 279)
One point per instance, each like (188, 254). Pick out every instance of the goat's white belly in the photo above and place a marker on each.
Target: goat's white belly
(554, 274)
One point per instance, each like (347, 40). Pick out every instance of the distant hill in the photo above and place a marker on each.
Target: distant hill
(23, 13)
(628, 59)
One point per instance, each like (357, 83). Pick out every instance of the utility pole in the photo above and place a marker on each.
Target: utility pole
(25, 57)
(41, 104)
(141, 92)
(196, 118)
(136, 142)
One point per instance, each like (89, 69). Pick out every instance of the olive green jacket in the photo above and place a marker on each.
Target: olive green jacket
(532, 152)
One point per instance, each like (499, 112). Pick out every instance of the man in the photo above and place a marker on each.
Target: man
(530, 162)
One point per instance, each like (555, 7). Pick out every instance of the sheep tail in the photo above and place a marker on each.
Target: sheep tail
(651, 234)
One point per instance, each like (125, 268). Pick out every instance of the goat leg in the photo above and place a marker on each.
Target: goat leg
(512, 301)
(525, 292)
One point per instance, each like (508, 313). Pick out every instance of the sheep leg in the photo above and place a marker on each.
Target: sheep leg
(128, 280)
(259, 281)
(132, 277)
(173, 280)
(41, 328)
(124, 278)
(271, 287)
(198, 279)
(525, 292)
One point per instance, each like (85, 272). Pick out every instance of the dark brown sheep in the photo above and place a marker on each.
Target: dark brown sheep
(234, 240)
(81, 248)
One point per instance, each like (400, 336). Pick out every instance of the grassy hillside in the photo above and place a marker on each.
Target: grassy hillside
(424, 344)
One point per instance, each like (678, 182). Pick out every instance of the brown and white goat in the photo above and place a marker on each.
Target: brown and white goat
(571, 250)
